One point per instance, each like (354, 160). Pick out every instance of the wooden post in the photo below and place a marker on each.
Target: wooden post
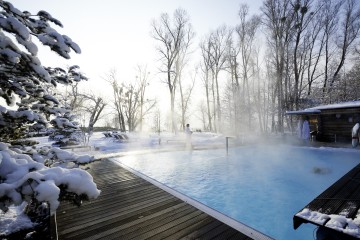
(227, 144)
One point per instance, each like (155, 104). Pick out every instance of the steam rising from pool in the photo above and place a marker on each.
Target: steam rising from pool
(261, 186)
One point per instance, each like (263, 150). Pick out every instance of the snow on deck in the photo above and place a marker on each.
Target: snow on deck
(337, 208)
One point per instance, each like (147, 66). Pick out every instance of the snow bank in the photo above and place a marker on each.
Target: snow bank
(14, 220)
(23, 178)
(333, 221)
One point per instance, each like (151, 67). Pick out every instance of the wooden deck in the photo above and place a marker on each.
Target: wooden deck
(132, 208)
(340, 199)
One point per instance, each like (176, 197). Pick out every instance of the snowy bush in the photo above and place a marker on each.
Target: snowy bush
(67, 131)
(24, 82)
(23, 178)
(38, 176)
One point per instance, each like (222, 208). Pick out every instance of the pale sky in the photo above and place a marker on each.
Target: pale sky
(116, 33)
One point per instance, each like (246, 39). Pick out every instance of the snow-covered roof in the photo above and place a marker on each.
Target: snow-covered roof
(350, 104)
(317, 110)
(305, 111)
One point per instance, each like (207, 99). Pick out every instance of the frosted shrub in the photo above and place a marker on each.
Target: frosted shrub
(24, 179)
(40, 177)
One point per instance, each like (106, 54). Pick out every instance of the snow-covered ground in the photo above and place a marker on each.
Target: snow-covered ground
(100, 146)
(145, 140)
(152, 141)
(14, 220)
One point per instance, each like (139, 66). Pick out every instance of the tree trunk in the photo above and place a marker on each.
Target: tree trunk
(218, 105)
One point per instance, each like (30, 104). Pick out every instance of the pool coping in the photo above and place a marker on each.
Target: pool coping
(241, 227)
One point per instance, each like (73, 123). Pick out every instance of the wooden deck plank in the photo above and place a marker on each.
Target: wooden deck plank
(128, 191)
(118, 197)
(117, 215)
(239, 236)
(131, 208)
(194, 229)
(228, 233)
(137, 217)
(99, 210)
(134, 229)
(215, 232)
(103, 225)
(205, 227)
(169, 228)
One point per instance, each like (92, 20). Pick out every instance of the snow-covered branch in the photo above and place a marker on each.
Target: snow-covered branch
(23, 178)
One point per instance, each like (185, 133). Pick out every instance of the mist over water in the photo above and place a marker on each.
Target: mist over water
(261, 186)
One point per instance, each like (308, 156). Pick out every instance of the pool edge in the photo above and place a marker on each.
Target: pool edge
(241, 227)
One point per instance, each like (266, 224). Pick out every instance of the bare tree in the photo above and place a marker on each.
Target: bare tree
(350, 84)
(185, 98)
(349, 32)
(118, 92)
(172, 37)
(302, 19)
(71, 98)
(134, 108)
(131, 105)
(202, 109)
(206, 66)
(246, 32)
(74, 96)
(83, 104)
(157, 122)
(315, 45)
(93, 105)
(219, 41)
(130, 102)
(180, 64)
(143, 82)
(261, 94)
(330, 13)
(278, 19)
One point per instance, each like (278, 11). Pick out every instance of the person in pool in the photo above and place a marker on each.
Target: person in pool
(188, 133)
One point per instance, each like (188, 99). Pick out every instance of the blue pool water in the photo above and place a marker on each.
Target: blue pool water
(262, 187)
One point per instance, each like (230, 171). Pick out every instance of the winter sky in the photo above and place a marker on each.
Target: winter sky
(115, 34)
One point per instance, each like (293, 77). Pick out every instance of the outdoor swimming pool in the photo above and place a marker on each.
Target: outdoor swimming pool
(262, 187)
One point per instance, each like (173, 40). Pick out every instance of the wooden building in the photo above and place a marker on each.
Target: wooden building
(333, 122)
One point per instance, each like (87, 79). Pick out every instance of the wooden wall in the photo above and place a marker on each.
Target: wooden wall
(336, 124)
